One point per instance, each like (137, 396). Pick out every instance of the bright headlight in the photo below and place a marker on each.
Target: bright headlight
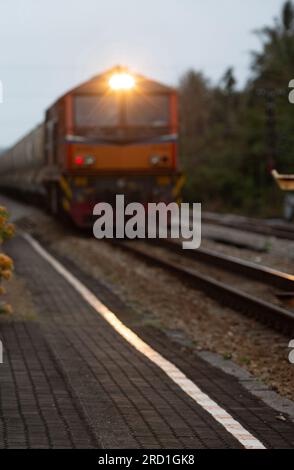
(121, 81)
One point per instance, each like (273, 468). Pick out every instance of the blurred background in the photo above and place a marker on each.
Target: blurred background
(232, 62)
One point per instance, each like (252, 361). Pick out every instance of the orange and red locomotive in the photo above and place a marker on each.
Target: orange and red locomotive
(114, 134)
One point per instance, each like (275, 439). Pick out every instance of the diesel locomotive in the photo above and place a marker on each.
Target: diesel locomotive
(114, 134)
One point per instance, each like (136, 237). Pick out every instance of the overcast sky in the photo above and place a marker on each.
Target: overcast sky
(47, 47)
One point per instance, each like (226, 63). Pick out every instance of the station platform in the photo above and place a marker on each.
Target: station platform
(69, 379)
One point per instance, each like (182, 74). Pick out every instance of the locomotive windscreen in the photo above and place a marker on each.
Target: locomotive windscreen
(149, 110)
(96, 111)
(105, 111)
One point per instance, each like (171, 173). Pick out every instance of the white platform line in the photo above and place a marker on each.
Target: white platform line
(189, 387)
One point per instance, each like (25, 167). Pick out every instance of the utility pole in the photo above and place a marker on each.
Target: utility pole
(270, 95)
(271, 131)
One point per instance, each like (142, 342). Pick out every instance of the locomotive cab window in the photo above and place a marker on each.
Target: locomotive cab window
(96, 111)
(106, 111)
(147, 110)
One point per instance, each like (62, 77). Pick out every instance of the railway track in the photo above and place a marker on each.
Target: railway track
(277, 317)
(275, 229)
(232, 264)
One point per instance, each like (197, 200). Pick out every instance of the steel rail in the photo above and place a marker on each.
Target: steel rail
(228, 263)
(259, 227)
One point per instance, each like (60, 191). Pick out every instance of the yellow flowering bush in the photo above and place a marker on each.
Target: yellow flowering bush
(6, 264)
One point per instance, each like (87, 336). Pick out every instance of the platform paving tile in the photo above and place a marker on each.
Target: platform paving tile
(31, 415)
